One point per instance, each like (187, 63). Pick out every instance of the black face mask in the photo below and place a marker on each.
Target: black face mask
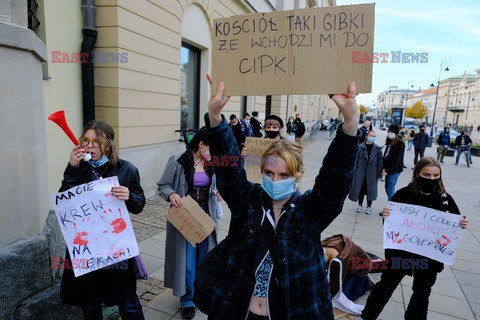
(422, 130)
(427, 185)
(272, 134)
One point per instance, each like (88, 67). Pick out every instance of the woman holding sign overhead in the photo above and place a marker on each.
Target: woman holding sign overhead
(275, 261)
(186, 174)
(115, 285)
(427, 190)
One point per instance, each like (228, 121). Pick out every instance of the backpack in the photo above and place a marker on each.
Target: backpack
(412, 134)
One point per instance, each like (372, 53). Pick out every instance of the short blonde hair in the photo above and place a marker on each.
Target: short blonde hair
(289, 151)
(271, 122)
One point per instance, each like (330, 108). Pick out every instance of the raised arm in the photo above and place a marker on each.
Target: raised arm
(231, 178)
(335, 178)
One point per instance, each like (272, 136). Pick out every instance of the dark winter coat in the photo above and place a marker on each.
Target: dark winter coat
(367, 168)
(300, 128)
(108, 286)
(256, 127)
(299, 269)
(393, 157)
(420, 141)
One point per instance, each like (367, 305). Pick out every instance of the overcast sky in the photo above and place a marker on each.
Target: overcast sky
(446, 30)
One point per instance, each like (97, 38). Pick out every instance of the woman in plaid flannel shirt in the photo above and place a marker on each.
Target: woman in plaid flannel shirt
(275, 266)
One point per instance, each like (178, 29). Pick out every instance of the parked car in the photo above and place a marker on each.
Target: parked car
(453, 133)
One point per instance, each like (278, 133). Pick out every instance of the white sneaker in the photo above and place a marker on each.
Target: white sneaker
(359, 209)
(369, 210)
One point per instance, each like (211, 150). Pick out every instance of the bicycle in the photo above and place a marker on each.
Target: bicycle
(467, 155)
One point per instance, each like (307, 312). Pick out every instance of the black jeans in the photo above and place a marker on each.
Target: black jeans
(129, 310)
(420, 152)
(423, 280)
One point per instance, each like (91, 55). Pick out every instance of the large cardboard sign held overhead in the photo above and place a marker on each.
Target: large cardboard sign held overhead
(304, 51)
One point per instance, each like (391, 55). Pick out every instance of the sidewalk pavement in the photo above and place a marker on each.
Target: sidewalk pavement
(455, 295)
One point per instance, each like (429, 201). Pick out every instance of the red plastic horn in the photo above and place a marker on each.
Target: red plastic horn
(59, 118)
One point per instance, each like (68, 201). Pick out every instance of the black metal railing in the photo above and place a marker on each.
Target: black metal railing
(33, 22)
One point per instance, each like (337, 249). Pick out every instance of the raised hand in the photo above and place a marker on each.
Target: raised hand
(216, 103)
(349, 109)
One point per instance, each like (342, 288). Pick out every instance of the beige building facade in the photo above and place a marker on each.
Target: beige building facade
(150, 61)
(459, 100)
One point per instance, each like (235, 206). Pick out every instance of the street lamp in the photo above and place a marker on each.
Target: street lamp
(436, 95)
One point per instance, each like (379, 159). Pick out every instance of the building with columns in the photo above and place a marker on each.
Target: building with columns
(458, 101)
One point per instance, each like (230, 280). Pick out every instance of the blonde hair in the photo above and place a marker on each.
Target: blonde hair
(271, 122)
(289, 151)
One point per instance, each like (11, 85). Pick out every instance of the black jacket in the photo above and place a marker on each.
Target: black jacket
(420, 141)
(109, 286)
(466, 140)
(393, 157)
(300, 129)
(256, 126)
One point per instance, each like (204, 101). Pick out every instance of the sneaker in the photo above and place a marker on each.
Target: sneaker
(188, 312)
(456, 163)
(369, 210)
(359, 209)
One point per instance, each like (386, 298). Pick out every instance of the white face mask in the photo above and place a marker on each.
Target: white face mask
(391, 135)
(206, 154)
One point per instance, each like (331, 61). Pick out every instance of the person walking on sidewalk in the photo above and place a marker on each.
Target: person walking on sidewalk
(443, 142)
(275, 267)
(368, 173)
(420, 142)
(301, 129)
(364, 130)
(427, 190)
(410, 136)
(462, 143)
(291, 129)
(117, 284)
(186, 174)
(392, 159)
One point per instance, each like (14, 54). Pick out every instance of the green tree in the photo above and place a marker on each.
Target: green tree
(363, 109)
(417, 111)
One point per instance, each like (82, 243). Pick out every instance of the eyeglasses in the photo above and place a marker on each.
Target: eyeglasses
(85, 142)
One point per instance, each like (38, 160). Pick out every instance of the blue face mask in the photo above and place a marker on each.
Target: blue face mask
(99, 162)
(278, 190)
(371, 139)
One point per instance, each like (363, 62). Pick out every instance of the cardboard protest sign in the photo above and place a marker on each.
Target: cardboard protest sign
(428, 232)
(256, 147)
(303, 51)
(95, 225)
(192, 222)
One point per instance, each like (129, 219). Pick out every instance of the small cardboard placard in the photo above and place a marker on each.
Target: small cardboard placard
(256, 147)
(305, 51)
(191, 221)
